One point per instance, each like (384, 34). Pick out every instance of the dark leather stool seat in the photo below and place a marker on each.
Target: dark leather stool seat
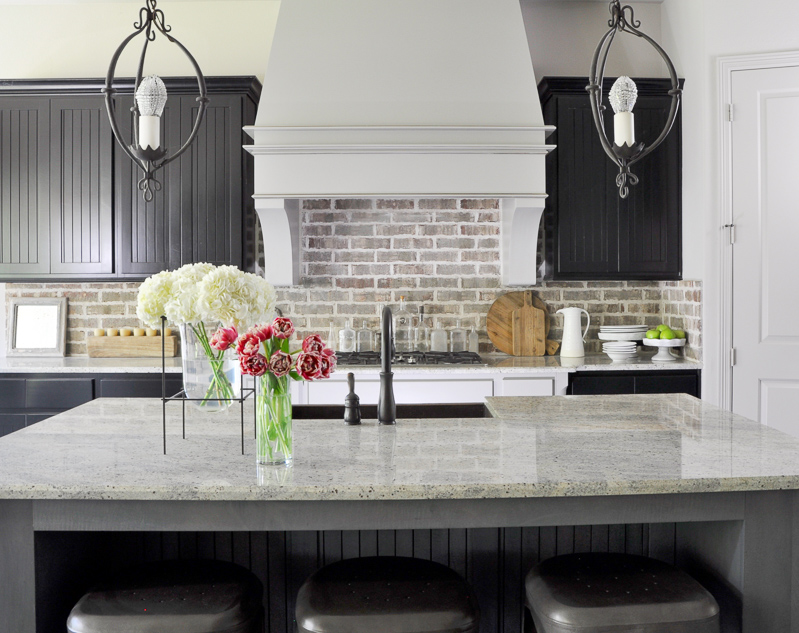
(617, 593)
(173, 597)
(386, 594)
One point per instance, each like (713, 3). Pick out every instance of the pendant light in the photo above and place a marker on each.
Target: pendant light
(624, 151)
(150, 97)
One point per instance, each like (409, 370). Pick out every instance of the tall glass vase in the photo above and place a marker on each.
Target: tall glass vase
(210, 377)
(274, 436)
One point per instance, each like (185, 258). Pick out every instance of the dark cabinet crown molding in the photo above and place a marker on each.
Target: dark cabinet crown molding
(647, 86)
(248, 84)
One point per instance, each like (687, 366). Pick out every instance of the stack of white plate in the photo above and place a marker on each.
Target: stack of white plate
(622, 332)
(620, 350)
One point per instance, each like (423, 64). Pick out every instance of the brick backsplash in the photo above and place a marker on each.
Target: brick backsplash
(443, 253)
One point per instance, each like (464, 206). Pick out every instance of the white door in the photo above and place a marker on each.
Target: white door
(765, 209)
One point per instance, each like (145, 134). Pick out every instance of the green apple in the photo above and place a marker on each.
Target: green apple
(667, 334)
(679, 333)
(652, 334)
(662, 327)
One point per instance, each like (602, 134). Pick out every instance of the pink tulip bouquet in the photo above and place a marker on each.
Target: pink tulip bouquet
(264, 352)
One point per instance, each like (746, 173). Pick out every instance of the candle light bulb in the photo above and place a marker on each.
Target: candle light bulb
(150, 100)
(622, 97)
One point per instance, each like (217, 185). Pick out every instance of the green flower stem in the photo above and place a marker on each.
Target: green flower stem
(274, 419)
(220, 388)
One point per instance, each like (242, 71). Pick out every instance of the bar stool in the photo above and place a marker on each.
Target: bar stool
(388, 594)
(173, 597)
(617, 593)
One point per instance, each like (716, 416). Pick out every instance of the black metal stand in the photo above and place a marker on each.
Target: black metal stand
(244, 393)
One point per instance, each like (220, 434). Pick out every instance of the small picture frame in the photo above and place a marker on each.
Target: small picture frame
(37, 327)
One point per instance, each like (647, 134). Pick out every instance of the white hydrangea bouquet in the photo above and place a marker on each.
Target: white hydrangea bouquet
(199, 298)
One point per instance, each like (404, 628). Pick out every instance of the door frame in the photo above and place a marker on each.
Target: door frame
(726, 67)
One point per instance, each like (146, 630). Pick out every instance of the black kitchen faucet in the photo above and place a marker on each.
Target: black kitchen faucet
(386, 407)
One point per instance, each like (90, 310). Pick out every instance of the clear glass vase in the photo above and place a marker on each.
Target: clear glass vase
(210, 377)
(274, 436)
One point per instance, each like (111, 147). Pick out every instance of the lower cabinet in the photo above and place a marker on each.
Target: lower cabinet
(623, 382)
(428, 388)
(29, 398)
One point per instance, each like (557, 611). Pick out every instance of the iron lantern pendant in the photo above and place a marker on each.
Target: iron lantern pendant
(146, 150)
(626, 153)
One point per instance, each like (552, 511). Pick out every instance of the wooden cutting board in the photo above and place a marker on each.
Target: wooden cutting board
(527, 325)
(500, 324)
(131, 346)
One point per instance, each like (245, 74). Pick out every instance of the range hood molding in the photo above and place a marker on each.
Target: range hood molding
(400, 99)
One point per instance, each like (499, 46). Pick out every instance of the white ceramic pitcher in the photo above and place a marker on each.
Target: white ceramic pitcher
(572, 344)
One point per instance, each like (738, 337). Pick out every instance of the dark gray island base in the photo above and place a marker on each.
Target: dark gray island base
(667, 476)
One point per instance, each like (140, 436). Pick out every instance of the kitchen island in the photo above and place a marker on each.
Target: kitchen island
(718, 489)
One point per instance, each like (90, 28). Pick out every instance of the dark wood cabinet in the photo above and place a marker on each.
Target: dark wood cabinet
(69, 196)
(590, 232)
(30, 398)
(24, 186)
(81, 187)
(584, 383)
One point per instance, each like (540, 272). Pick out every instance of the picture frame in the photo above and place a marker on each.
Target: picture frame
(37, 327)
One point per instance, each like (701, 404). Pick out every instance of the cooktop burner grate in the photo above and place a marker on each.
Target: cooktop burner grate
(411, 358)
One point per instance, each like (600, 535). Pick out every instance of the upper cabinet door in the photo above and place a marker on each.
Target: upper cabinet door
(147, 233)
(592, 233)
(81, 187)
(211, 177)
(650, 218)
(24, 186)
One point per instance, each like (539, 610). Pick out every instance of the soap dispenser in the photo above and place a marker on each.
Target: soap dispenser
(352, 403)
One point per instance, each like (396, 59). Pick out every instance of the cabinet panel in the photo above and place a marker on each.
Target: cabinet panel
(124, 387)
(406, 391)
(148, 233)
(668, 384)
(582, 385)
(528, 387)
(24, 186)
(210, 207)
(10, 422)
(58, 393)
(12, 393)
(80, 187)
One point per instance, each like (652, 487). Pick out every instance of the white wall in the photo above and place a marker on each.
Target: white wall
(696, 33)
(227, 37)
(563, 36)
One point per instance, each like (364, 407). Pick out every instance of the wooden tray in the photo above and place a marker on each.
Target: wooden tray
(499, 321)
(131, 346)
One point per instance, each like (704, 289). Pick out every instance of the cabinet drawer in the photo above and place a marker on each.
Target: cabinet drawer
(121, 387)
(413, 391)
(61, 393)
(668, 384)
(528, 387)
(602, 384)
(12, 393)
(10, 422)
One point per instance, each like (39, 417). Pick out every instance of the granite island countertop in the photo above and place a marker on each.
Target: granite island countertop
(501, 363)
(561, 446)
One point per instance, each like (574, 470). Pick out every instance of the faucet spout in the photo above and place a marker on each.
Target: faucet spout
(386, 407)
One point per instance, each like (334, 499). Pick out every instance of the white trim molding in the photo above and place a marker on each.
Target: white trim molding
(726, 67)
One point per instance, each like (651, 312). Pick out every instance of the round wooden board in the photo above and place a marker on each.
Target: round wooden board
(499, 321)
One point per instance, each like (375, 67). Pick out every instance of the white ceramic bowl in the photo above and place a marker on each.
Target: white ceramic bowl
(620, 356)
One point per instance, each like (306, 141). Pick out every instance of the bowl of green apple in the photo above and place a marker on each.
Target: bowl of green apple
(664, 337)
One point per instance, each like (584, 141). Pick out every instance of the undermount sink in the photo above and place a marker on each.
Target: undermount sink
(369, 411)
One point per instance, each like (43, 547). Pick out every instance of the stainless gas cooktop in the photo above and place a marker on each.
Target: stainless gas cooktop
(411, 358)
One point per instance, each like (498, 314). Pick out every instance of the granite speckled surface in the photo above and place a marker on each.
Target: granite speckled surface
(493, 363)
(540, 447)
(85, 365)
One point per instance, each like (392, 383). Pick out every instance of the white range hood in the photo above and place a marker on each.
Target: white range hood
(400, 99)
